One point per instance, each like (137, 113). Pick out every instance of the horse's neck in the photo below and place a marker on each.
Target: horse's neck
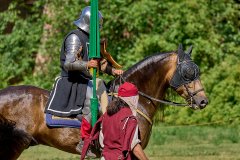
(152, 77)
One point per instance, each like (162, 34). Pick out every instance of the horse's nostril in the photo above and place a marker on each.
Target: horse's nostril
(203, 103)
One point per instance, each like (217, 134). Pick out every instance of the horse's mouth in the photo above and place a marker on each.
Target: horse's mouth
(197, 102)
(194, 106)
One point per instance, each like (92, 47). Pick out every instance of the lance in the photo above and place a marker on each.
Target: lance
(94, 53)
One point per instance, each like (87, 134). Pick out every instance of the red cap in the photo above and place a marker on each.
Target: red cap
(127, 90)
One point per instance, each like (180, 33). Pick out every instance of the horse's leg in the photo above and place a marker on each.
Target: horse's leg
(13, 140)
(27, 114)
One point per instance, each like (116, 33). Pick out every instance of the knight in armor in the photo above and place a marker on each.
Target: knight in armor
(68, 97)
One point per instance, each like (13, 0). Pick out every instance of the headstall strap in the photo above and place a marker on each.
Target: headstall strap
(192, 94)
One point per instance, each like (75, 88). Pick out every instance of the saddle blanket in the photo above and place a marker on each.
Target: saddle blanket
(54, 121)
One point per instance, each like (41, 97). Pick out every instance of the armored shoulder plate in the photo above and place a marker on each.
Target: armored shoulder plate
(72, 62)
(72, 44)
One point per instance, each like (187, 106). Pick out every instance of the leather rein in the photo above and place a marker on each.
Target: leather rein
(177, 79)
(167, 102)
(191, 94)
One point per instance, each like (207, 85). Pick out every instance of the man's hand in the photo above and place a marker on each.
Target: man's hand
(93, 63)
(117, 72)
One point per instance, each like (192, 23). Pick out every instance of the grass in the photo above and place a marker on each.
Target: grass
(170, 143)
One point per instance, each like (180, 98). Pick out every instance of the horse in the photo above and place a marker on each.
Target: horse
(22, 118)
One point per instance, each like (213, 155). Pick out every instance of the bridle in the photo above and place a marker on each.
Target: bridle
(185, 73)
(191, 95)
(175, 82)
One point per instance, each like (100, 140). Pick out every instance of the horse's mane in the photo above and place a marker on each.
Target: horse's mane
(157, 57)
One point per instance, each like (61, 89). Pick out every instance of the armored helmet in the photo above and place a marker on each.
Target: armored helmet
(84, 20)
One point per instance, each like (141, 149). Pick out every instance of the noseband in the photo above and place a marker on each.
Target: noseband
(191, 95)
(186, 72)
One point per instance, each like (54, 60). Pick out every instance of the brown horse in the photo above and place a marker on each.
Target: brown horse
(22, 120)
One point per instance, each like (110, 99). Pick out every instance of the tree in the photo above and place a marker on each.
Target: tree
(134, 29)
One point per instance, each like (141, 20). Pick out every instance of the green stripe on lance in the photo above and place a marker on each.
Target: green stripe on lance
(94, 53)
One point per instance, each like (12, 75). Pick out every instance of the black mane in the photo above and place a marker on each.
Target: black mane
(147, 61)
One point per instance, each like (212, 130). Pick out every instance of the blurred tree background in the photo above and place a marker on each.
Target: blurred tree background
(32, 32)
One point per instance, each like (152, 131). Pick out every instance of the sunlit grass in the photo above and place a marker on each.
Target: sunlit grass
(171, 143)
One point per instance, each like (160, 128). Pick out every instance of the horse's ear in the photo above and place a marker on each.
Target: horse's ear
(180, 47)
(181, 53)
(190, 50)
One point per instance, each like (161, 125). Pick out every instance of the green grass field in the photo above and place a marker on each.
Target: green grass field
(171, 143)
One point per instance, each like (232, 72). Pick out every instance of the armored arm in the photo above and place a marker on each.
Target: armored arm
(72, 62)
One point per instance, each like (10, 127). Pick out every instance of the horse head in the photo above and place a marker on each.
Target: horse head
(153, 75)
(186, 81)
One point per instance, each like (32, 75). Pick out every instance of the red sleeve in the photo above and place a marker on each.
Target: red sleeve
(128, 131)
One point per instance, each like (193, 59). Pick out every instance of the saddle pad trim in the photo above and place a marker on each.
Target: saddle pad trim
(58, 122)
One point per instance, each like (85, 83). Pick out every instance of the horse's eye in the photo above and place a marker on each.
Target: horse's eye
(189, 72)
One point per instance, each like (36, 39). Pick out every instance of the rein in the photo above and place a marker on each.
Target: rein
(190, 98)
(148, 97)
(162, 101)
(144, 115)
(186, 72)
(122, 80)
(155, 99)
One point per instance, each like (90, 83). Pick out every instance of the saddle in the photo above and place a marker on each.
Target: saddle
(75, 122)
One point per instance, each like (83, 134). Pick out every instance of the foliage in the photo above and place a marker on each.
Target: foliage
(134, 29)
(18, 48)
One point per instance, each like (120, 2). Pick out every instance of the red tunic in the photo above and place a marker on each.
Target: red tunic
(118, 132)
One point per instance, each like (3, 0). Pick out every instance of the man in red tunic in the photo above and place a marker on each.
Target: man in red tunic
(120, 132)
